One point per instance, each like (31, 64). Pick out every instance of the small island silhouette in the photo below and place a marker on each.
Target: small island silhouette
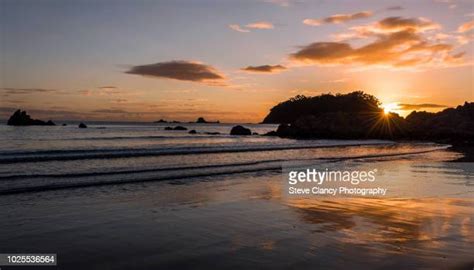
(21, 118)
(200, 120)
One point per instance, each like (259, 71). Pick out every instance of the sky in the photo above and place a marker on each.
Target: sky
(229, 60)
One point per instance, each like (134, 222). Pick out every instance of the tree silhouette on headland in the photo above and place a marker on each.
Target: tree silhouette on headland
(358, 115)
(290, 110)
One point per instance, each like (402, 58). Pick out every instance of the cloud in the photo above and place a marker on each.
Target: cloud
(338, 18)
(283, 3)
(85, 92)
(109, 90)
(108, 87)
(110, 111)
(465, 39)
(465, 27)
(237, 28)
(260, 25)
(408, 107)
(392, 24)
(180, 70)
(264, 68)
(101, 91)
(26, 91)
(335, 81)
(393, 8)
(120, 100)
(388, 25)
(394, 41)
(312, 22)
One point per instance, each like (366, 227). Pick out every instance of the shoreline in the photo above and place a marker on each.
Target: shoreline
(243, 220)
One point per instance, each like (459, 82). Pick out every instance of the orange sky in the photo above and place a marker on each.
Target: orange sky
(142, 61)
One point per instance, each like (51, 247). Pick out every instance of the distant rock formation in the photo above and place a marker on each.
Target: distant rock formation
(212, 133)
(164, 121)
(192, 131)
(82, 125)
(176, 128)
(240, 130)
(201, 120)
(358, 116)
(21, 118)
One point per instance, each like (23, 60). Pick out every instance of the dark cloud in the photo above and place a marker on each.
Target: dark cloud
(179, 70)
(394, 41)
(399, 23)
(323, 52)
(407, 107)
(264, 68)
(339, 18)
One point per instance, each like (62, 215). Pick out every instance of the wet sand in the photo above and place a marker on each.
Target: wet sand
(236, 222)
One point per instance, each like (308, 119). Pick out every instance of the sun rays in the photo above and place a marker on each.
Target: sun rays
(390, 108)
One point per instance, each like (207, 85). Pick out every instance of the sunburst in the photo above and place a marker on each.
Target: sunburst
(390, 107)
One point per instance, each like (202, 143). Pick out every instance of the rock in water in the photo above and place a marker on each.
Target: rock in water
(192, 131)
(271, 133)
(82, 125)
(240, 130)
(201, 120)
(180, 128)
(21, 118)
(168, 128)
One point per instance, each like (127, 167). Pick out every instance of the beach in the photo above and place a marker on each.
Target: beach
(225, 208)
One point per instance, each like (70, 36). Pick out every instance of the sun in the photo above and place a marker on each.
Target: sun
(390, 107)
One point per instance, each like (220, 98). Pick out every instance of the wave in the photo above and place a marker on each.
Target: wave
(185, 136)
(83, 154)
(167, 173)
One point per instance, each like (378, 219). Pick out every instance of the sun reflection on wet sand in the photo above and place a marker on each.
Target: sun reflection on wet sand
(421, 227)
(425, 232)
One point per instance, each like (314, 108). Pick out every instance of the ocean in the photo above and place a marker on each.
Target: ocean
(41, 158)
(136, 196)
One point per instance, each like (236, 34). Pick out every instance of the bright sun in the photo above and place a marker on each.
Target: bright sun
(390, 107)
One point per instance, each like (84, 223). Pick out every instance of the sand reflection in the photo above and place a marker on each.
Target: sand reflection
(428, 226)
